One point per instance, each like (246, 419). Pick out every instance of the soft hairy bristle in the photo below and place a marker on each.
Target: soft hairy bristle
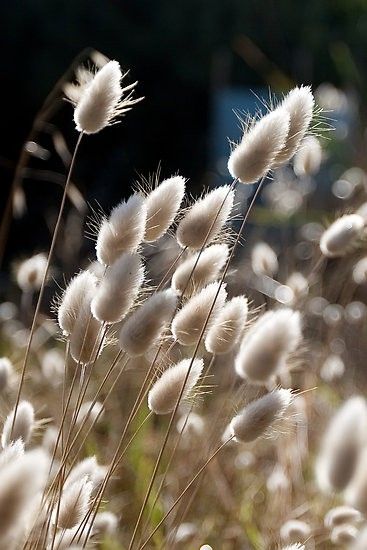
(207, 266)
(228, 326)
(162, 205)
(119, 289)
(21, 481)
(146, 324)
(264, 261)
(100, 101)
(30, 272)
(205, 219)
(254, 156)
(294, 530)
(341, 235)
(123, 231)
(23, 425)
(341, 445)
(299, 104)
(74, 503)
(266, 346)
(308, 158)
(340, 515)
(189, 322)
(6, 371)
(11, 452)
(255, 420)
(165, 392)
(72, 299)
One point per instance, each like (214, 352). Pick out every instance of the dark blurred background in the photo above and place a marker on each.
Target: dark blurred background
(196, 61)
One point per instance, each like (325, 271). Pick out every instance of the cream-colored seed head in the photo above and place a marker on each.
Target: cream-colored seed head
(199, 270)
(165, 392)
(360, 272)
(254, 156)
(294, 530)
(30, 273)
(228, 326)
(118, 289)
(341, 235)
(74, 503)
(123, 230)
(205, 219)
(299, 104)
(266, 347)
(341, 515)
(162, 205)
(6, 372)
(308, 158)
(73, 298)
(260, 415)
(344, 534)
(264, 261)
(199, 311)
(145, 325)
(23, 425)
(100, 101)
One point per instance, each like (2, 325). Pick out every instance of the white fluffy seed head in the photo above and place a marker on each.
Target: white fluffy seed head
(100, 101)
(165, 392)
(340, 448)
(362, 211)
(20, 480)
(356, 492)
(361, 541)
(260, 415)
(332, 368)
(360, 272)
(341, 235)
(207, 266)
(74, 503)
(118, 289)
(73, 298)
(299, 104)
(162, 205)
(123, 231)
(86, 335)
(265, 348)
(344, 534)
(254, 156)
(146, 324)
(264, 261)
(11, 453)
(298, 284)
(105, 523)
(294, 530)
(23, 425)
(87, 468)
(205, 219)
(30, 272)
(6, 371)
(89, 412)
(341, 515)
(228, 326)
(308, 158)
(189, 322)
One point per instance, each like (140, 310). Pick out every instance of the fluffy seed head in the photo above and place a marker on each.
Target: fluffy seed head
(105, 523)
(294, 530)
(341, 515)
(86, 335)
(361, 540)
(341, 445)
(254, 156)
(207, 265)
(101, 101)
(344, 534)
(341, 235)
(299, 104)
(264, 261)
(89, 412)
(190, 320)
(23, 425)
(86, 468)
(53, 366)
(333, 368)
(72, 299)
(256, 419)
(162, 206)
(123, 231)
(11, 453)
(266, 346)
(205, 219)
(30, 273)
(165, 392)
(308, 158)
(356, 492)
(20, 481)
(227, 328)
(6, 371)
(74, 503)
(360, 272)
(298, 284)
(146, 324)
(119, 289)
